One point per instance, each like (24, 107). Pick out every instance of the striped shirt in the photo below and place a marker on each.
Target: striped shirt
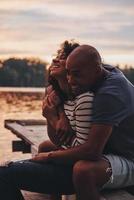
(79, 113)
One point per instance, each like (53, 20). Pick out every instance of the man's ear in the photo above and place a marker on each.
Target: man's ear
(98, 69)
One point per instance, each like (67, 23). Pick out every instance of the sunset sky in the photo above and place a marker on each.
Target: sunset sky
(35, 28)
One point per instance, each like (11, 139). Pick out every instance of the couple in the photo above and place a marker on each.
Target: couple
(106, 157)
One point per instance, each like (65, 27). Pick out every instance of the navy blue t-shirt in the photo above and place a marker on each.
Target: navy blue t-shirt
(114, 104)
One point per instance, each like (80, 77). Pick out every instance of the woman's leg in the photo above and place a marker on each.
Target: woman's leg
(9, 191)
(47, 146)
(36, 177)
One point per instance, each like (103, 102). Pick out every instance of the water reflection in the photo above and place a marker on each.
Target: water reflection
(17, 106)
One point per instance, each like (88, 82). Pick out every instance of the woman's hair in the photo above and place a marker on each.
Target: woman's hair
(65, 49)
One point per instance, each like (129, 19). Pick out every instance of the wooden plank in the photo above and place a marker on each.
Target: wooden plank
(118, 195)
(69, 197)
(35, 196)
(109, 195)
(19, 145)
(30, 134)
(26, 122)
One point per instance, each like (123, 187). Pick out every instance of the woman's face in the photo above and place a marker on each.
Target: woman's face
(57, 68)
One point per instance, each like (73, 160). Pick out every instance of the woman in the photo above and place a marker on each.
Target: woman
(39, 174)
(73, 113)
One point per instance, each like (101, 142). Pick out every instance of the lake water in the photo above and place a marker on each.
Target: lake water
(17, 105)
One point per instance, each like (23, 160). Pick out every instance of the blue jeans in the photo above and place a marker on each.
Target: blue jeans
(36, 177)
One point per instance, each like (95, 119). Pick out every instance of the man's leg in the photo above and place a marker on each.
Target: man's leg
(88, 177)
(27, 175)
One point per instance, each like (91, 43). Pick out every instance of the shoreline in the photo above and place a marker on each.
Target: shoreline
(11, 97)
(17, 105)
(22, 89)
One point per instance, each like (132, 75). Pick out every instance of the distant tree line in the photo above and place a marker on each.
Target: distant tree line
(129, 73)
(31, 72)
(16, 72)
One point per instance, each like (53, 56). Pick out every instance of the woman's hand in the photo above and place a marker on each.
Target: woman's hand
(49, 104)
(48, 109)
(64, 132)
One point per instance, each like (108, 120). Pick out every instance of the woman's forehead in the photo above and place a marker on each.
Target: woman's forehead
(61, 55)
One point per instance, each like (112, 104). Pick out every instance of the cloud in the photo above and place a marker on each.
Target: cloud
(13, 51)
(39, 26)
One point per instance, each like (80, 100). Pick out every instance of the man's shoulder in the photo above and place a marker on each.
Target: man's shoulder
(115, 82)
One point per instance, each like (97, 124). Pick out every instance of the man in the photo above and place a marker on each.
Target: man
(85, 169)
(111, 138)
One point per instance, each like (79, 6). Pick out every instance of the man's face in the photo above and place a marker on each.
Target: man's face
(81, 75)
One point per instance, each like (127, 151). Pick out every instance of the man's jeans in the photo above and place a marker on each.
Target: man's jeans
(36, 177)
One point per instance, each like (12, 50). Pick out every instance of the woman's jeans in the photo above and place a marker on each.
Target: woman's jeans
(36, 177)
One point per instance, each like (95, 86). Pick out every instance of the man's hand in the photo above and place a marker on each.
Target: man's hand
(41, 157)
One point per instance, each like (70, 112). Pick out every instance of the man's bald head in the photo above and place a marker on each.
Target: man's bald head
(84, 68)
(87, 55)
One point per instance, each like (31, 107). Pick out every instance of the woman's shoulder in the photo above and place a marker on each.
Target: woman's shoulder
(86, 97)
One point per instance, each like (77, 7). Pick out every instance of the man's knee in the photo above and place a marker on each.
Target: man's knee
(83, 171)
(91, 172)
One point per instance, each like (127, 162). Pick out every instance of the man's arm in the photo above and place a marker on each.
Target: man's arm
(91, 150)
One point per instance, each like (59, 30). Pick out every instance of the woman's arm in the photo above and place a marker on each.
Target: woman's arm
(49, 106)
(64, 129)
(59, 129)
